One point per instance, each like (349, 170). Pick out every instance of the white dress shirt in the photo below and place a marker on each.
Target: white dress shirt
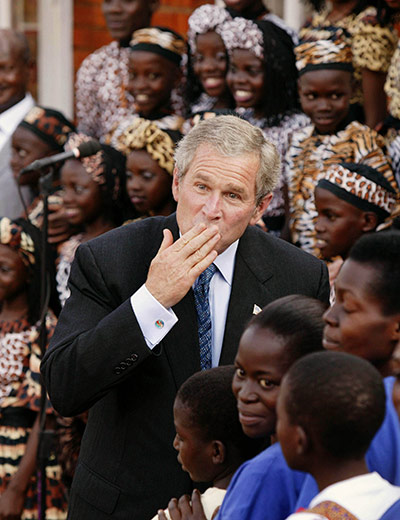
(156, 321)
(10, 204)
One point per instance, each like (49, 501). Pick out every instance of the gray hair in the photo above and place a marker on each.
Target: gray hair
(232, 136)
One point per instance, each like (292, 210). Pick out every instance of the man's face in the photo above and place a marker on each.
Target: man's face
(123, 17)
(219, 190)
(14, 74)
(356, 323)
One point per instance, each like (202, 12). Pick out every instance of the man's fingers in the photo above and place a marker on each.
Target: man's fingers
(168, 240)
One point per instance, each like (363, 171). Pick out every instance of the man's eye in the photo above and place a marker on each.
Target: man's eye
(233, 196)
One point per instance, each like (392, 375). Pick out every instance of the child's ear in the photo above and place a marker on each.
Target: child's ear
(218, 452)
(370, 221)
(302, 441)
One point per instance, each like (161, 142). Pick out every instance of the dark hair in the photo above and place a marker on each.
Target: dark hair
(280, 72)
(114, 196)
(381, 251)
(339, 399)
(34, 283)
(213, 408)
(297, 319)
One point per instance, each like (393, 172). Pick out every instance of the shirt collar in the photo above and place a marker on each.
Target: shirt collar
(226, 262)
(10, 119)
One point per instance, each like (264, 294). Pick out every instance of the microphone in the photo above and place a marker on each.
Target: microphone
(84, 150)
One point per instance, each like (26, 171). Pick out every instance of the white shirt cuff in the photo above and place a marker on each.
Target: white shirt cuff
(155, 321)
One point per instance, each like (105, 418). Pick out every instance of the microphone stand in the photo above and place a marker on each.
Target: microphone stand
(47, 438)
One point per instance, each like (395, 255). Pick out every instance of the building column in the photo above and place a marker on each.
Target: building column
(5, 14)
(55, 55)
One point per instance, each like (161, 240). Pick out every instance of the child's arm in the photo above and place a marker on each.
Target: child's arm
(374, 97)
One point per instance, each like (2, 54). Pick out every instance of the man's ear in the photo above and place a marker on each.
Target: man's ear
(175, 184)
(370, 221)
(218, 452)
(260, 209)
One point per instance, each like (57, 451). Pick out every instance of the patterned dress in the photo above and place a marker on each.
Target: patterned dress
(66, 256)
(372, 45)
(20, 389)
(280, 135)
(309, 154)
(392, 133)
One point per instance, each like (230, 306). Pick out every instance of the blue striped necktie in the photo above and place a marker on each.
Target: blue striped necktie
(201, 291)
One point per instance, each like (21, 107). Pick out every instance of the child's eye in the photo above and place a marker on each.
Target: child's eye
(20, 152)
(267, 383)
(79, 189)
(129, 174)
(5, 269)
(255, 72)
(221, 56)
(232, 69)
(240, 373)
(147, 175)
(335, 96)
(153, 76)
(310, 97)
(197, 58)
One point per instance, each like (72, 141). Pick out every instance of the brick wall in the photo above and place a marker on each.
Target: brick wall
(90, 30)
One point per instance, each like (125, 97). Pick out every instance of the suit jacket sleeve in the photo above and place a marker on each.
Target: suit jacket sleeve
(97, 342)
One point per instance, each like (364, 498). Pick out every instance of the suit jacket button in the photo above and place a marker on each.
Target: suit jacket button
(134, 357)
(117, 370)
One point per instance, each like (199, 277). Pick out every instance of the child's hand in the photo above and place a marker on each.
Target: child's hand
(11, 504)
(185, 508)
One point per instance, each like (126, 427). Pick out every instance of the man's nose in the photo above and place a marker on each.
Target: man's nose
(212, 206)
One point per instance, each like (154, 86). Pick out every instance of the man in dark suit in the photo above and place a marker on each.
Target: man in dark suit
(128, 335)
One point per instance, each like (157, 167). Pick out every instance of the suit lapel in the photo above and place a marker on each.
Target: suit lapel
(251, 280)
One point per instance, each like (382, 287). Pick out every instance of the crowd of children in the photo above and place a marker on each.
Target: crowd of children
(328, 98)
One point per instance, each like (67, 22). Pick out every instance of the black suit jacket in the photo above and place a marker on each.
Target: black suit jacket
(98, 359)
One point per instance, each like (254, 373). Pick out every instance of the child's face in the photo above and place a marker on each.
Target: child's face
(152, 79)
(325, 97)
(261, 362)
(246, 79)
(355, 323)
(210, 63)
(13, 274)
(26, 148)
(148, 185)
(194, 453)
(338, 226)
(123, 17)
(81, 194)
